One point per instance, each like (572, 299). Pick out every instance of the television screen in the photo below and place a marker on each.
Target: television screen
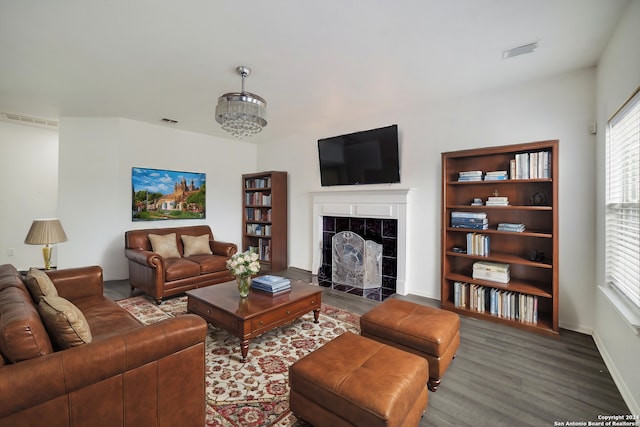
(367, 157)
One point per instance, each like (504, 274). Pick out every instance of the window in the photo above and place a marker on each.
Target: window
(622, 252)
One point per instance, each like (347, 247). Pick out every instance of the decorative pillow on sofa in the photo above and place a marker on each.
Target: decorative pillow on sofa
(165, 245)
(66, 324)
(40, 285)
(196, 245)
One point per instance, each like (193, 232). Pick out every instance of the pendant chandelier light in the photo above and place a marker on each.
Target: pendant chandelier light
(241, 113)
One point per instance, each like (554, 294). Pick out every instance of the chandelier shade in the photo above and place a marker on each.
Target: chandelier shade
(242, 114)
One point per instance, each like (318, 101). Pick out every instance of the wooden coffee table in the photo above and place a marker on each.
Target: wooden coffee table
(256, 314)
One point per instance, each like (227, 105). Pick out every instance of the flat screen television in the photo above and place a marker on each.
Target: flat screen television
(366, 157)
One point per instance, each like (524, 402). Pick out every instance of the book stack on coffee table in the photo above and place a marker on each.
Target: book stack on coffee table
(271, 284)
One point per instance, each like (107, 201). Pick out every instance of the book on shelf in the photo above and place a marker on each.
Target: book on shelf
(501, 303)
(497, 201)
(535, 165)
(492, 266)
(459, 214)
(506, 226)
(263, 249)
(470, 176)
(496, 175)
(474, 220)
(257, 198)
(491, 271)
(477, 244)
(257, 183)
(258, 214)
(462, 220)
(466, 224)
(460, 294)
(475, 225)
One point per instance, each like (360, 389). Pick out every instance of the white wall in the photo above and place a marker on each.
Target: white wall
(559, 107)
(29, 176)
(96, 157)
(617, 79)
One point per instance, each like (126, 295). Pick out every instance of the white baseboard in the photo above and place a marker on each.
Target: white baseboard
(627, 396)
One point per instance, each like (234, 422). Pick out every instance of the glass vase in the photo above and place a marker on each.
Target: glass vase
(244, 284)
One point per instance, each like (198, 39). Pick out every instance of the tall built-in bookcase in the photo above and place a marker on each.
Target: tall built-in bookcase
(526, 196)
(264, 218)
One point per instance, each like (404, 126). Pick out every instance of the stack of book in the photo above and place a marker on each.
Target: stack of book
(495, 175)
(491, 271)
(507, 226)
(470, 176)
(475, 220)
(271, 284)
(497, 201)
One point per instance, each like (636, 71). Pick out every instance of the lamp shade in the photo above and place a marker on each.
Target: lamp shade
(45, 232)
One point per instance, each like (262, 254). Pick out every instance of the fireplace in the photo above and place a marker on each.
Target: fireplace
(377, 215)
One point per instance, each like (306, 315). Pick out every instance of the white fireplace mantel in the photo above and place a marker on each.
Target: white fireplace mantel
(385, 204)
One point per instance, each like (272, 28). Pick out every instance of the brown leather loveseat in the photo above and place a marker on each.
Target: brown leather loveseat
(123, 374)
(165, 262)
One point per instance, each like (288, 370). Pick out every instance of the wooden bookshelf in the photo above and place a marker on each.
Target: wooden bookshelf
(533, 201)
(264, 218)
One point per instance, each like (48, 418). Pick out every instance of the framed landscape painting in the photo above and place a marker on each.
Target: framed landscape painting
(160, 194)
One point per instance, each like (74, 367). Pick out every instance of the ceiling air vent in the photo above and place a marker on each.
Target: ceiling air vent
(29, 121)
(520, 50)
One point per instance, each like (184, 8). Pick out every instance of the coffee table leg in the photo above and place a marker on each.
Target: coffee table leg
(316, 314)
(244, 348)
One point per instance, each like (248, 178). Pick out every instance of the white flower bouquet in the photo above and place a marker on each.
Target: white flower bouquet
(244, 264)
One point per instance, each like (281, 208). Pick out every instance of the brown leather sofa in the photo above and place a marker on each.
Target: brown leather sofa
(161, 277)
(127, 375)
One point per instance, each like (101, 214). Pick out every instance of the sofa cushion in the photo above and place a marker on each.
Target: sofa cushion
(22, 333)
(210, 263)
(164, 245)
(39, 285)
(196, 245)
(64, 321)
(180, 268)
(105, 317)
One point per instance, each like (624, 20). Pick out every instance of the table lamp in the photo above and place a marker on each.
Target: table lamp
(46, 232)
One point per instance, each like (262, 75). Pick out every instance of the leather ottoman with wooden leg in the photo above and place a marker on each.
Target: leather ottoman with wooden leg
(426, 331)
(356, 381)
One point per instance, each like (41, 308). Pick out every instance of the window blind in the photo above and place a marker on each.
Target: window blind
(622, 228)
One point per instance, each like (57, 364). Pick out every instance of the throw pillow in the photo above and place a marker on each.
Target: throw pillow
(66, 324)
(196, 245)
(165, 245)
(40, 285)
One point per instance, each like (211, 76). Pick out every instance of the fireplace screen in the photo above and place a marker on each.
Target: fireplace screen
(355, 261)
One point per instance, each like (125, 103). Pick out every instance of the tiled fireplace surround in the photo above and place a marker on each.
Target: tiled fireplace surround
(378, 215)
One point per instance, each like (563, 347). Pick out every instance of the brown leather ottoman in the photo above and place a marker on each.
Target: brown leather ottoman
(355, 381)
(428, 332)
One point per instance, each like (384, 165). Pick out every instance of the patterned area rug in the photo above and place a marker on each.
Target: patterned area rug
(255, 393)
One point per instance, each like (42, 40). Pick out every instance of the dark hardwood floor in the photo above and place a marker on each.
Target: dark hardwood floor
(502, 376)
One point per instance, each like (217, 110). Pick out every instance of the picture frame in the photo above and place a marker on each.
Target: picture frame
(163, 194)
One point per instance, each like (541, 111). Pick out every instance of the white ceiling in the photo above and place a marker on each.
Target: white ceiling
(317, 63)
